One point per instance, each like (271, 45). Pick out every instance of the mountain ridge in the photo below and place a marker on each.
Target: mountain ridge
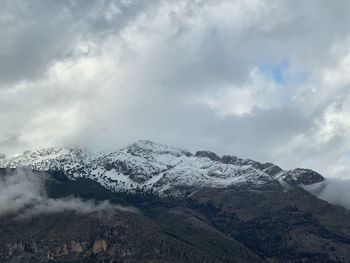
(147, 165)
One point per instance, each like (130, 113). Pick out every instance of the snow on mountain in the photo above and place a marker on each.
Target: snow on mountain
(147, 165)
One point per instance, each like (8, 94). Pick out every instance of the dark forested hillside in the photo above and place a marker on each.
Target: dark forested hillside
(235, 224)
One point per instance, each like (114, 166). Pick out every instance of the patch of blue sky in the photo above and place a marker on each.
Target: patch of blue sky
(289, 79)
(281, 74)
(275, 72)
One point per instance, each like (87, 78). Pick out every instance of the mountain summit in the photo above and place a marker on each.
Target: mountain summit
(146, 165)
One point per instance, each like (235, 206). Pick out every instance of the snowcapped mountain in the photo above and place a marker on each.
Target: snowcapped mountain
(146, 165)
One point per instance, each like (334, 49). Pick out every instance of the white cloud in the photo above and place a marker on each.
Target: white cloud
(257, 93)
(23, 193)
(187, 73)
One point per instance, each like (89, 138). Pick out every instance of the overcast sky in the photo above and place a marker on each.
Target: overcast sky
(261, 79)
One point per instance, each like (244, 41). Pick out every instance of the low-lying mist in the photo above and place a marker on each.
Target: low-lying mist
(23, 193)
(334, 191)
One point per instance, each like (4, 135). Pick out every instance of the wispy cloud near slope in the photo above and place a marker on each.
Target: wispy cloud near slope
(23, 194)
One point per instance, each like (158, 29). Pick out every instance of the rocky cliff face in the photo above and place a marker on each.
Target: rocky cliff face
(118, 237)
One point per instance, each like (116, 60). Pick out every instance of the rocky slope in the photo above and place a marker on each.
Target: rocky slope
(118, 237)
(148, 166)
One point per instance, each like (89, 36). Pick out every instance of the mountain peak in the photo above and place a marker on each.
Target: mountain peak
(144, 147)
(147, 145)
(303, 176)
(208, 154)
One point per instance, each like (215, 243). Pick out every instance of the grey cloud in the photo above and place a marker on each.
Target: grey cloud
(33, 35)
(36, 34)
